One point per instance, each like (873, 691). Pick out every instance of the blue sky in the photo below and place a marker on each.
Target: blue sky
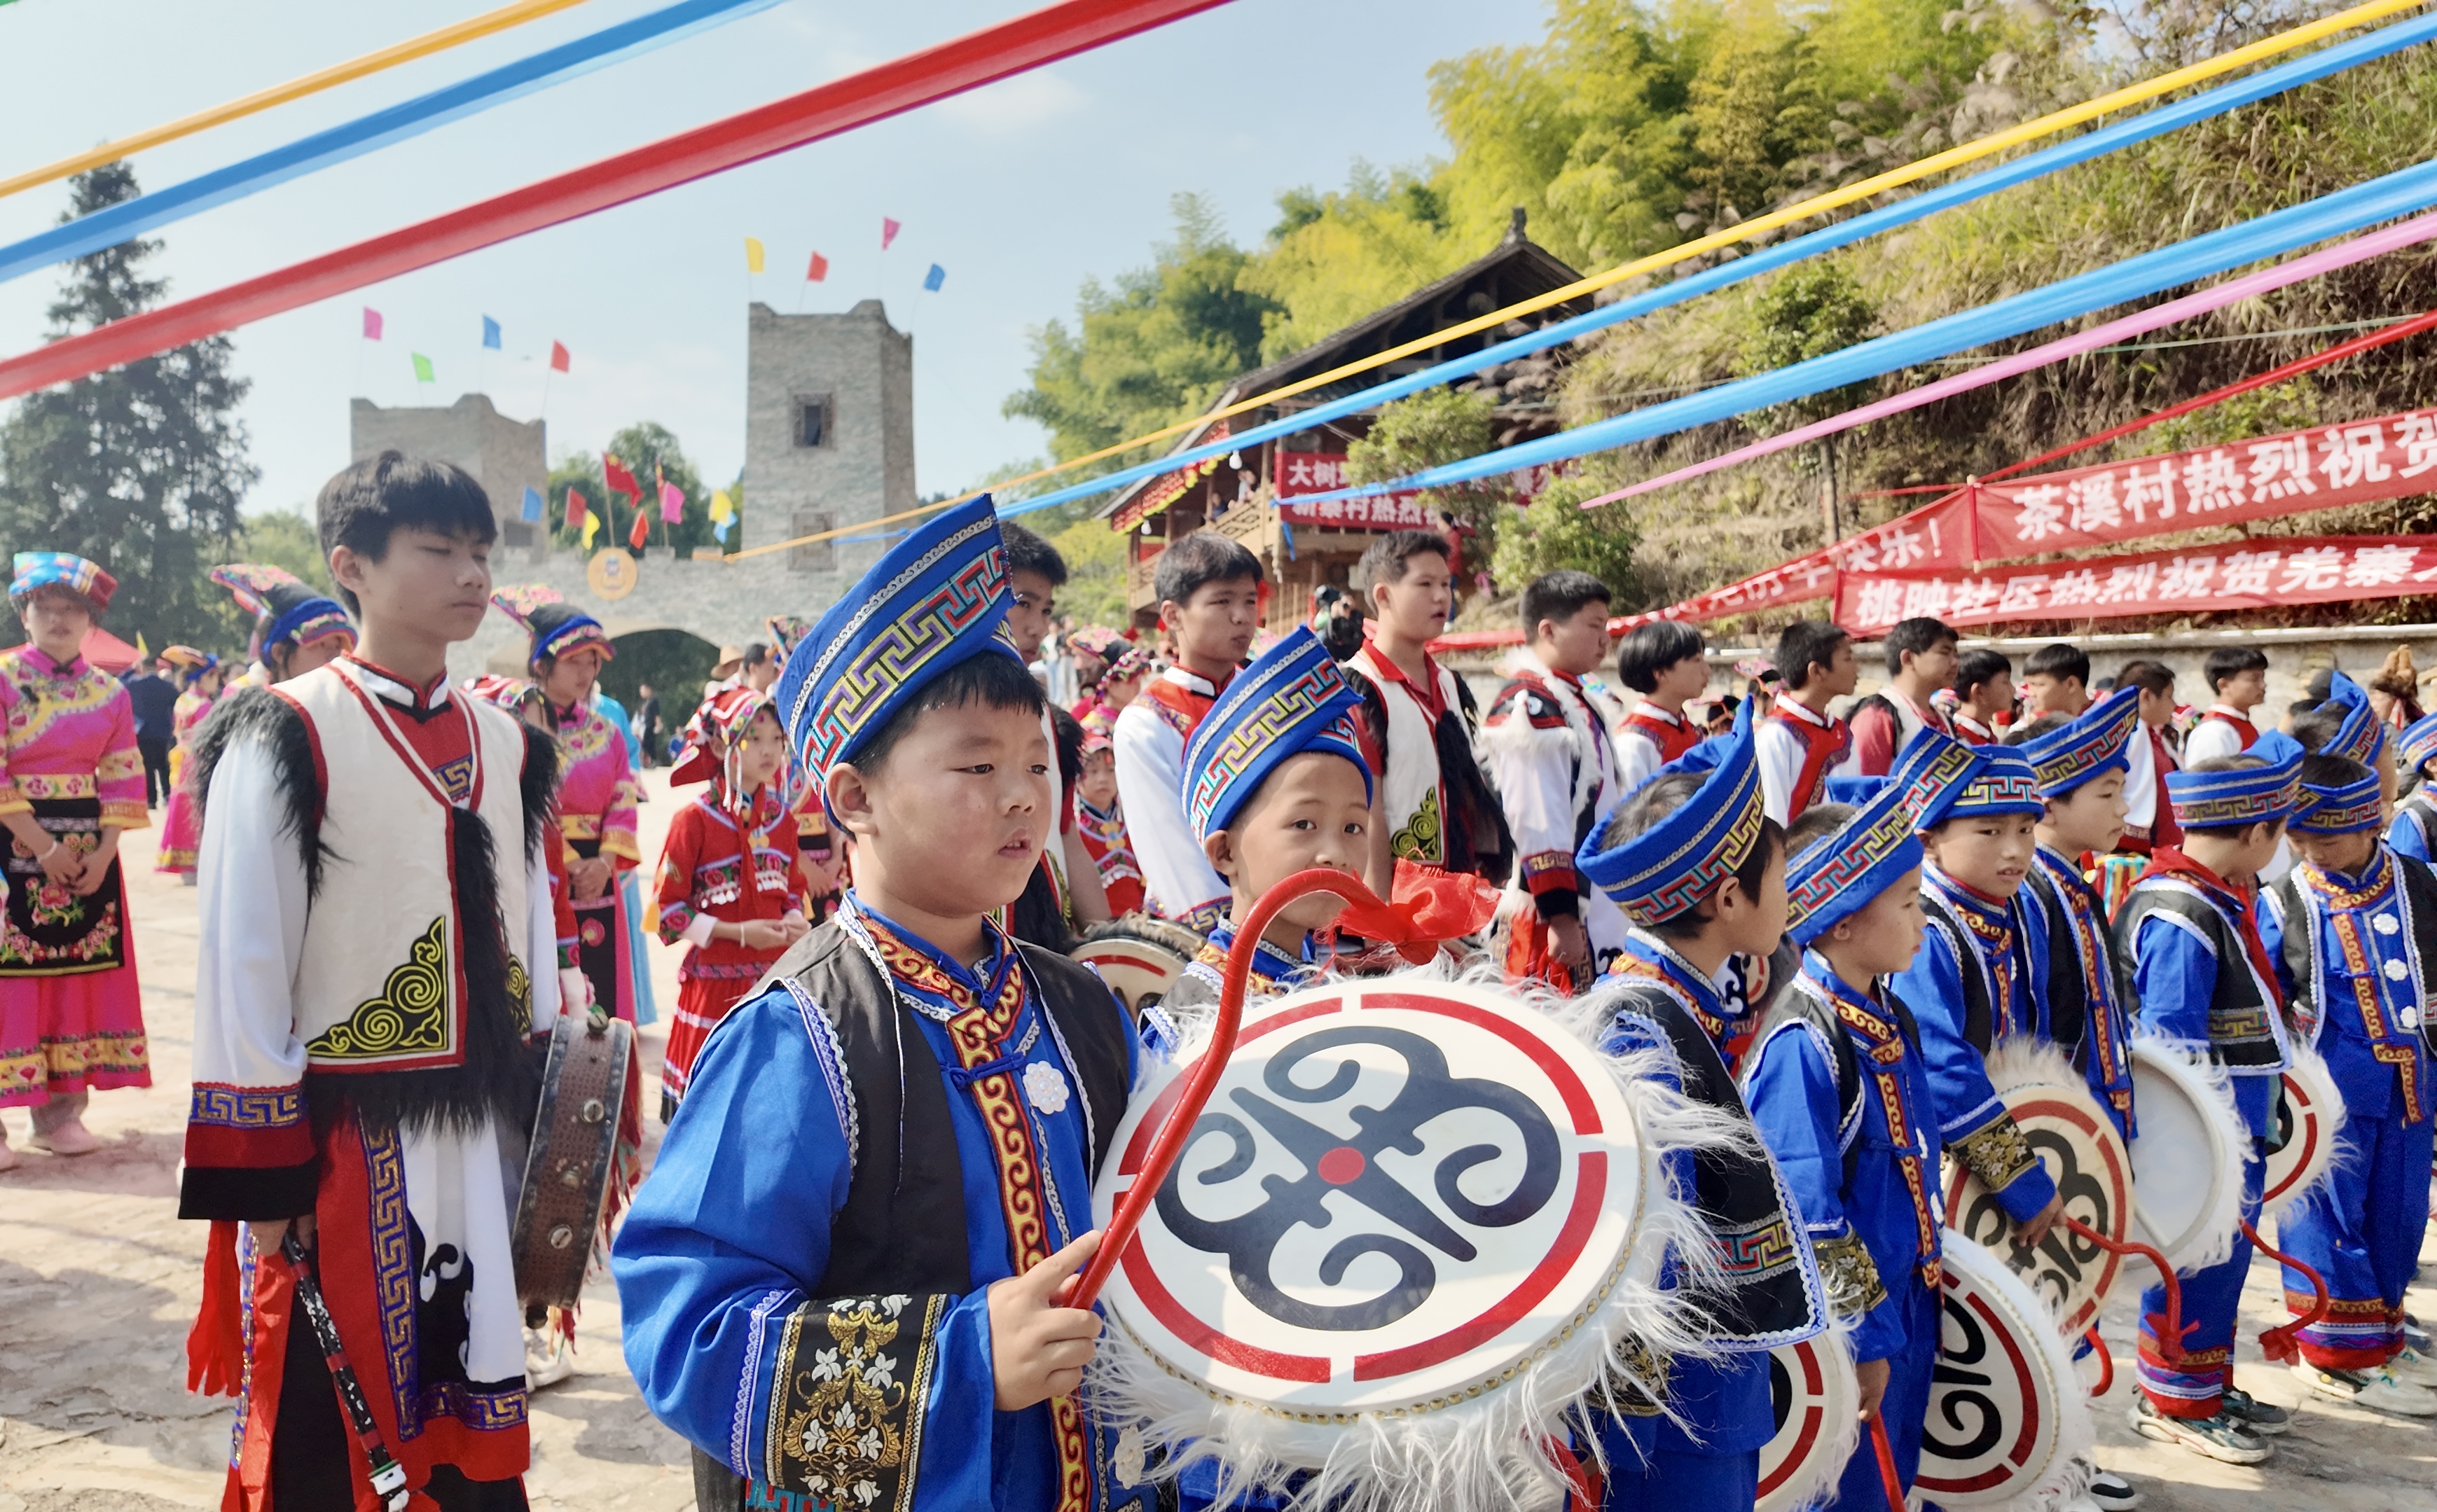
(1020, 192)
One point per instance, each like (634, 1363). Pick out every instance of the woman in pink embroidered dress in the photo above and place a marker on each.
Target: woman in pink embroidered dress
(71, 780)
(182, 825)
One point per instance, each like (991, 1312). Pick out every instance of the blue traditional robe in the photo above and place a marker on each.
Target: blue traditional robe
(1864, 1177)
(1972, 981)
(720, 1264)
(2084, 949)
(2358, 942)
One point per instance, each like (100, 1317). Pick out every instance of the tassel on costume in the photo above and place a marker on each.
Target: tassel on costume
(216, 1344)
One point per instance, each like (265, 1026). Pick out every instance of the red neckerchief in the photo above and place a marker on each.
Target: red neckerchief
(1375, 662)
(2241, 723)
(2241, 903)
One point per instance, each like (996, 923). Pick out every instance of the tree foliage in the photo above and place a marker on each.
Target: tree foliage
(139, 468)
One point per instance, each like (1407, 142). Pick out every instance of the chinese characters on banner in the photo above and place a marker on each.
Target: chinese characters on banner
(1322, 471)
(2254, 574)
(1159, 493)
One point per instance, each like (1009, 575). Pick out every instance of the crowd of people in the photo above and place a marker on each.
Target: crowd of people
(889, 1088)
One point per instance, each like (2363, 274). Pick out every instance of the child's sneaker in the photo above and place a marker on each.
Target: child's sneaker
(2261, 1418)
(2377, 1390)
(2113, 1492)
(2219, 1437)
(2414, 1367)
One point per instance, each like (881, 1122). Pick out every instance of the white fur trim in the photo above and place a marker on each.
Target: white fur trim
(2211, 1090)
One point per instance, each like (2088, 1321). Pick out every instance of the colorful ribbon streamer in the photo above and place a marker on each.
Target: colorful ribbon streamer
(114, 224)
(918, 78)
(312, 83)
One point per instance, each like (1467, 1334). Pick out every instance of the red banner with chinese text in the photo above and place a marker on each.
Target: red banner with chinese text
(2264, 572)
(1322, 471)
(1167, 488)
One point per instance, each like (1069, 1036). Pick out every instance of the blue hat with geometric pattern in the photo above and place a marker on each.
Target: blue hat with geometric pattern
(1839, 874)
(1984, 779)
(2097, 741)
(2417, 743)
(1293, 698)
(1689, 852)
(933, 602)
(2345, 808)
(2245, 795)
(2363, 734)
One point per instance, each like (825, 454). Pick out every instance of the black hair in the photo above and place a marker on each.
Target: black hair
(369, 501)
(2317, 726)
(1384, 560)
(2059, 659)
(2025, 732)
(2321, 770)
(1027, 552)
(1816, 824)
(994, 681)
(756, 654)
(2231, 661)
(1805, 644)
(1650, 649)
(2320, 685)
(1560, 595)
(1914, 636)
(2242, 761)
(2153, 677)
(1974, 668)
(1654, 801)
(1202, 558)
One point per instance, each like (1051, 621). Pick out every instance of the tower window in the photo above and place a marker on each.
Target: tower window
(813, 420)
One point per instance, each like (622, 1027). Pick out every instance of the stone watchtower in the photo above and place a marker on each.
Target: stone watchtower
(828, 436)
(505, 455)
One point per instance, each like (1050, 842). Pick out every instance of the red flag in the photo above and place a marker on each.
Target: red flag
(818, 271)
(642, 530)
(620, 480)
(559, 357)
(574, 509)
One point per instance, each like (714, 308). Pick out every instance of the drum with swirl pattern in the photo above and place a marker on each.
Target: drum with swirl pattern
(2006, 1414)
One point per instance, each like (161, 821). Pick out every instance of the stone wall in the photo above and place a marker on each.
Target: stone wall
(505, 455)
(860, 369)
(724, 602)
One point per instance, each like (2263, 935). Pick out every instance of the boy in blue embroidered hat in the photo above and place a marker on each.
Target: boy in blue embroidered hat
(842, 1279)
(1972, 985)
(2359, 923)
(1699, 869)
(2415, 815)
(1275, 784)
(2082, 765)
(1840, 1091)
(2205, 977)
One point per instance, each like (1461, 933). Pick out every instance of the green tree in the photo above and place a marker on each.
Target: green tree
(1424, 430)
(139, 468)
(1556, 531)
(649, 452)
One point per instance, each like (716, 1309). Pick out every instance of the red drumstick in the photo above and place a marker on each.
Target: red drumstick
(2169, 1329)
(1200, 1082)
(1888, 1479)
(2281, 1343)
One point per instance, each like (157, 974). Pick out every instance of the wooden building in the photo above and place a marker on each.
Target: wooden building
(1249, 493)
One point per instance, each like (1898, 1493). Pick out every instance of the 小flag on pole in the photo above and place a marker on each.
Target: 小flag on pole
(559, 358)
(422, 367)
(719, 531)
(722, 507)
(752, 255)
(591, 528)
(889, 230)
(937, 276)
(640, 530)
(532, 502)
(672, 502)
(576, 513)
(818, 271)
(141, 654)
(372, 323)
(620, 480)
(490, 333)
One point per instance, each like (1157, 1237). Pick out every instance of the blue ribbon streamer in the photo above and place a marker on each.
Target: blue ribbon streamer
(129, 218)
(2038, 165)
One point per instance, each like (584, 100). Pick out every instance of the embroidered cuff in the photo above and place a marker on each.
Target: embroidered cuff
(1998, 1154)
(1550, 870)
(247, 1127)
(674, 919)
(126, 814)
(697, 931)
(619, 844)
(847, 1398)
(1851, 1276)
(13, 801)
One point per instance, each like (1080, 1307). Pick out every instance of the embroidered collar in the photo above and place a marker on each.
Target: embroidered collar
(1189, 681)
(43, 662)
(1273, 970)
(938, 988)
(2061, 867)
(2343, 890)
(1648, 956)
(1879, 1038)
(1979, 910)
(1788, 707)
(423, 699)
(1647, 710)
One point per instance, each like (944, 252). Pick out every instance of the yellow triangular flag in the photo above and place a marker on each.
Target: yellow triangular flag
(591, 526)
(720, 506)
(143, 655)
(752, 255)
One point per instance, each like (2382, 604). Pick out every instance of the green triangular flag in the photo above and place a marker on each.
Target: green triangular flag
(422, 367)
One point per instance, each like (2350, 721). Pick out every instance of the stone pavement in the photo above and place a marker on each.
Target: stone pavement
(99, 1280)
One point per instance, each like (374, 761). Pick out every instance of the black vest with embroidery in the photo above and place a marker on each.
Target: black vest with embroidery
(1971, 967)
(2067, 994)
(1802, 1007)
(2239, 1031)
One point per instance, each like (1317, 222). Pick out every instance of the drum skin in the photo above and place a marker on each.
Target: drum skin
(2187, 1161)
(2087, 1160)
(2006, 1413)
(568, 1168)
(1403, 1194)
(1815, 1394)
(1139, 958)
(2309, 1113)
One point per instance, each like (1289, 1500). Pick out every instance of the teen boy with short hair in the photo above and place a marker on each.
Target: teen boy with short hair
(2058, 678)
(377, 939)
(842, 1280)
(1418, 721)
(2237, 681)
(1548, 750)
(2204, 976)
(1209, 591)
(1920, 661)
(1663, 662)
(1800, 743)
(1984, 696)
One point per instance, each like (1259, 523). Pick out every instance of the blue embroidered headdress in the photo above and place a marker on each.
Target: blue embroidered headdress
(2363, 734)
(1946, 779)
(2417, 742)
(283, 607)
(2098, 740)
(2218, 800)
(1685, 856)
(1838, 874)
(556, 626)
(2344, 810)
(33, 570)
(1290, 700)
(933, 602)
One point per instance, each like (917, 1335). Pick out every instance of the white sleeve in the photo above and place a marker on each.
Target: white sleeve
(1533, 769)
(541, 944)
(2140, 782)
(2215, 738)
(1151, 790)
(697, 929)
(1781, 767)
(250, 898)
(1637, 759)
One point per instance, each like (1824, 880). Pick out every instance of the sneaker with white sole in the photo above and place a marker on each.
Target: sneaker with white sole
(2219, 1437)
(2377, 1390)
(2414, 1367)
(548, 1358)
(2416, 1336)
(2263, 1418)
(2113, 1492)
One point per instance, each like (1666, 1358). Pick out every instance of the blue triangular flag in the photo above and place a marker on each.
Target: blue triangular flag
(719, 531)
(937, 276)
(491, 340)
(532, 502)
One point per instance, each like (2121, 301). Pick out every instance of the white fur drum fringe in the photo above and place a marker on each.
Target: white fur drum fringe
(2213, 1094)
(2310, 1069)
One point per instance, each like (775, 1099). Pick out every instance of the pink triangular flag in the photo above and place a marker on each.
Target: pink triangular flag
(372, 323)
(889, 230)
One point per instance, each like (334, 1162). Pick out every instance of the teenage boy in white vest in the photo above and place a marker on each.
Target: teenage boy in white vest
(1920, 661)
(1418, 720)
(1209, 591)
(378, 937)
